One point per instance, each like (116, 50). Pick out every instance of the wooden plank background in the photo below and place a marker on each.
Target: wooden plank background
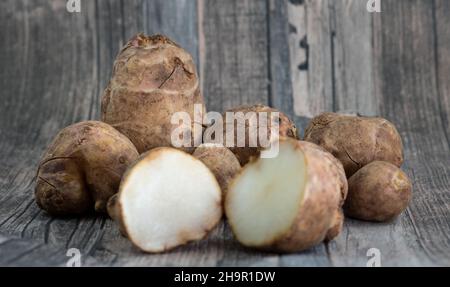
(303, 57)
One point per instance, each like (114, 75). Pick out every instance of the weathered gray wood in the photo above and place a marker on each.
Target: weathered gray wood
(352, 57)
(235, 53)
(330, 57)
(121, 19)
(22, 252)
(441, 18)
(281, 85)
(310, 40)
(16, 251)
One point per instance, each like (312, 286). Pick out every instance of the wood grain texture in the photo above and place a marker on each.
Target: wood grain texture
(330, 46)
(441, 20)
(352, 57)
(310, 40)
(235, 53)
(54, 66)
(281, 83)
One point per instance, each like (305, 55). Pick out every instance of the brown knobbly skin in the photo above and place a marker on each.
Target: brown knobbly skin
(152, 79)
(356, 141)
(337, 177)
(287, 128)
(333, 164)
(82, 168)
(379, 191)
(221, 161)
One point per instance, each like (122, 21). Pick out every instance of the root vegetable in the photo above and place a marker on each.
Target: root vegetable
(286, 203)
(153, 78)
(334, 164)
(82, 168)
(356, 141)
(166, 199)
(221, 161)
(379, 191)
(337, 170)
(286, 129)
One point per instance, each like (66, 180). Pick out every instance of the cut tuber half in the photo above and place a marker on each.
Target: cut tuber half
(167, 199)
(286, 203)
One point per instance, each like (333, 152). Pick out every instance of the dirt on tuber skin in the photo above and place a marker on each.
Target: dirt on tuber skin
(152, 79)
(82, 168)
(287, 128)
(356, 141)
(379, 191)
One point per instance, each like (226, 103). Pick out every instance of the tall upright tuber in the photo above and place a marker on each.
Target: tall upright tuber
(152, 79)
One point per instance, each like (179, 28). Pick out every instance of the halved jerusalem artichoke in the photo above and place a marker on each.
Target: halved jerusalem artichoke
(166, 199)
(285, 204)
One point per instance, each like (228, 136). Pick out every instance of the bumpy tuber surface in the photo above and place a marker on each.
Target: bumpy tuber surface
(153, 78)
(379, 191)
(338, 176)
(286, 203)
(82, 168)
(286, 129)
(166, 199)
(334, 164)
(356, 141)
(221, 161)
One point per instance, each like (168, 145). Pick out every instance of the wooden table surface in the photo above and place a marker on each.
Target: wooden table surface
(303, 57)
